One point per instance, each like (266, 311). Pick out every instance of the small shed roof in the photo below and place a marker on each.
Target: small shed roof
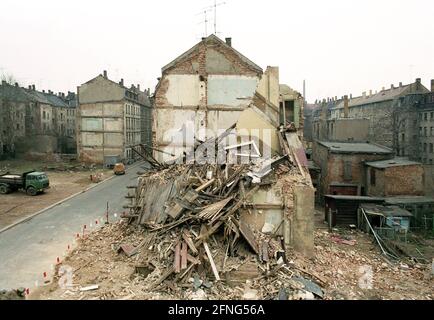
(409, 200)
(386, 211)
(355, 147)
(357, 198)
(395, 162)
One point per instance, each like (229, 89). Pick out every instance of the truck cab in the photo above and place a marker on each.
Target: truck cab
(36, 182)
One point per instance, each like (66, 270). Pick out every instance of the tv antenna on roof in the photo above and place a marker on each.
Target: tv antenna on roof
(205, 12)
(214, 7)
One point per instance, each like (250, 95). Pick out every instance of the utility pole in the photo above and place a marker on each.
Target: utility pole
(205, 21)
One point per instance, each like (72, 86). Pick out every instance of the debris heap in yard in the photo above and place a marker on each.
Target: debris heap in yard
(217, 222)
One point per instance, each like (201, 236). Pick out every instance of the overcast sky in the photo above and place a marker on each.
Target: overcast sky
(337, 46)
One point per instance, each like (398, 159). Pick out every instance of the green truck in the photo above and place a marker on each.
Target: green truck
(32, 182)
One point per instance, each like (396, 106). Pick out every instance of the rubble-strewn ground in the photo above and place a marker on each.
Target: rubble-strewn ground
(338, 269)
(65, 180)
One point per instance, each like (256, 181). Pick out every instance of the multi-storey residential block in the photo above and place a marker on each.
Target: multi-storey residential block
(109, 120)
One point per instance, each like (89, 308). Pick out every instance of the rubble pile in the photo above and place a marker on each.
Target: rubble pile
(121, 261)
(352, 267)
(337, 270)
(194, 229)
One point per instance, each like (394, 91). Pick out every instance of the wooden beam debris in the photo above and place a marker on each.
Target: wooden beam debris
(211, 261)
(172, 203)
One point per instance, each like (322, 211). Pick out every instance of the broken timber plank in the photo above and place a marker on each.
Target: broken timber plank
(177, 261)
(205, 185)
(189, 242)
(193, 260)
(249, 236)
(163, 277)
(183, 255)
(210, 211)
(265, 254)
(211, 261)
(177, 209)
(215, 227)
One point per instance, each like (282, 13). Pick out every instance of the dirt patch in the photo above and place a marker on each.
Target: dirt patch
(18, 205)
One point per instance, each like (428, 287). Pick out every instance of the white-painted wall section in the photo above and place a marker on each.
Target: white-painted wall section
(231, 90)
(183, 90)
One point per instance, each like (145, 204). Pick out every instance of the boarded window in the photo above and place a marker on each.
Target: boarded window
(347, 170)
(372, 177)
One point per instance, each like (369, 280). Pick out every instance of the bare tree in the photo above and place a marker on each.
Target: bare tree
(393, 126)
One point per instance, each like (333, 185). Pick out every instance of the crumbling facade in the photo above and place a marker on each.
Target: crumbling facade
(204, 91)
(291, 107)
(111, 120)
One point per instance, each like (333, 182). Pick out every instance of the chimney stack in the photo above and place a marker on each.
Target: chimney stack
(105, 74)
(346, 108)
(351, 95)
(121, 82)
(33, 87)
(16, 84)
(370, 93)
(138, 87)
(364, 94)
(418, 80)
(400, 84)
(392, 86)
(229, 42)
(432, 85)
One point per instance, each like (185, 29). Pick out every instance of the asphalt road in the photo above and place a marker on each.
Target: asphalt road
(32, 247)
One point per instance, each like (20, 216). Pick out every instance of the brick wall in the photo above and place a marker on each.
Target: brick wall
(396, 181)
(405, 180)
(333, 166)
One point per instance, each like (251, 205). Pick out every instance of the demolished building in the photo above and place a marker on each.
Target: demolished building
(205, 90)
(227, 177)
(197, 214)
